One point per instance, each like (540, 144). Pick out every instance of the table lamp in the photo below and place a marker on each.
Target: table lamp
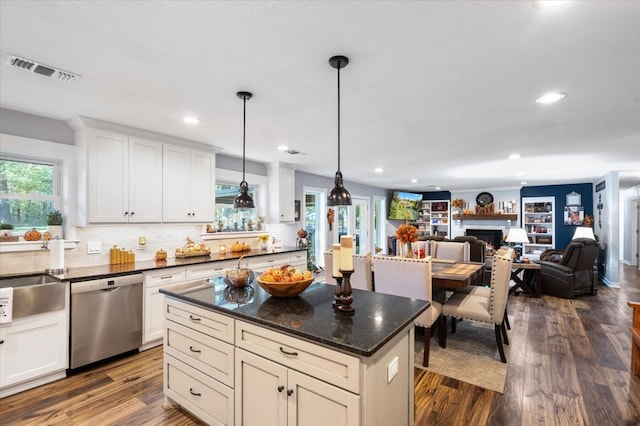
(584, 232)
(517, 236)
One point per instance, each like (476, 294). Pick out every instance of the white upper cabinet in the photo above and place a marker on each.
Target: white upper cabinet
(188, 192)
(124, 178)
(281, 181)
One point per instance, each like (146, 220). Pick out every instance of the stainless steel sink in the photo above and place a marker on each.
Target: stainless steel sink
(35, 294)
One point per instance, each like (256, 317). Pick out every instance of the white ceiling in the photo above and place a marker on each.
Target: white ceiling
(438, 91)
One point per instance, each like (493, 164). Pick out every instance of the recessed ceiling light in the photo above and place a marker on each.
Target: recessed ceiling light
(437, 188)
(548, 4)
(414, 180)
(514, 156)
(189, 119)
(283, 147)
(378, 170)
(524, 182)
(551, 97)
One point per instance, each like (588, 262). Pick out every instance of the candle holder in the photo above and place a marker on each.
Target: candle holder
(345, 298)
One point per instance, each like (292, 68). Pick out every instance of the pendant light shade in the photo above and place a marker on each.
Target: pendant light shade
(243, 199)
(339, 196)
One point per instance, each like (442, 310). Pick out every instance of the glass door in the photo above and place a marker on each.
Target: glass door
(314, 205)
(360, 225)
(379, 220)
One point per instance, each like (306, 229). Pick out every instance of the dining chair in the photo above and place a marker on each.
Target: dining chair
(481, 308)
(450, 250)
(362, 277)
(409, 278)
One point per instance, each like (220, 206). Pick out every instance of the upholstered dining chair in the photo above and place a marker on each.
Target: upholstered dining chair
(409, 278)
(362, 277)
(450, 250)
(489, 309)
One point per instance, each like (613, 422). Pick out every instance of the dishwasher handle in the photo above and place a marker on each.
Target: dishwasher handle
(108, 284)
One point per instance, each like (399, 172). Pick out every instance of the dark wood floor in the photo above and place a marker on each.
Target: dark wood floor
(569, 364)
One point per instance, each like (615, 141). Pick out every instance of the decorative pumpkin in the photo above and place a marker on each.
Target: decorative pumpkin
(33, 235)
(239, 277)
(161, 255)
(238, 247)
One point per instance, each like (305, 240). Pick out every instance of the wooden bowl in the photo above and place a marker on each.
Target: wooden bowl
(285, 289)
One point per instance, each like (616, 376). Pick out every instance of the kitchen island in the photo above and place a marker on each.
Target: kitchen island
(243, 357)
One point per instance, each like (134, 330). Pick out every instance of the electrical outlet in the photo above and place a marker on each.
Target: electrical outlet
(392, 369)
(94, 247)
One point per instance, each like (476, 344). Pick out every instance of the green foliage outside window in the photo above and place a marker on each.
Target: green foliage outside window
(27, 193)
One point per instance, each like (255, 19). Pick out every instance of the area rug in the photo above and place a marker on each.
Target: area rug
(471, 355)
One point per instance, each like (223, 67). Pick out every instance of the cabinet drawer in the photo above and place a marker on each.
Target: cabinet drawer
(209, 400)
(322, 363)
(208, 270)
(209, 355)
(268, 261)
(206, 322)
(164, 276)
(298, 259)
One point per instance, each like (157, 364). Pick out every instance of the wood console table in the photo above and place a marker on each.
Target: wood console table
(530, 285)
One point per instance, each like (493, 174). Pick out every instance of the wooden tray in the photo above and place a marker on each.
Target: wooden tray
(193, 254)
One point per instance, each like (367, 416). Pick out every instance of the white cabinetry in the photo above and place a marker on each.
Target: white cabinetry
(538, 219)
(33, 351)
(124, 178)
(187, 185)
(296, 259)
(281, 181)
(434, 218)
(153, 325)
(288, 383)
(199, 362)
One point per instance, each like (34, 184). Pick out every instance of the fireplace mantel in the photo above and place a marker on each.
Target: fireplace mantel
(508, 216)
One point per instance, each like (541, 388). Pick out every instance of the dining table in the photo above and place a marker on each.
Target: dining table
(454, 274)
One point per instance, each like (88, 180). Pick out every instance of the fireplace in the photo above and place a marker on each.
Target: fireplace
(491, 236)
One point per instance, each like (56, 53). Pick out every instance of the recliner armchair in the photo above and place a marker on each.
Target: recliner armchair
(573, 274)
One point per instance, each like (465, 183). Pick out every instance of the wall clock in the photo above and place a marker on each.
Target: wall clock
(484, 198)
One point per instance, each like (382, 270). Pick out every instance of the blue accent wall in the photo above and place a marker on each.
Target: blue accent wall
(564, 233)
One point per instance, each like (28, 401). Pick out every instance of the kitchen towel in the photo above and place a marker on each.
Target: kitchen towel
(56, 249)
(6, 304)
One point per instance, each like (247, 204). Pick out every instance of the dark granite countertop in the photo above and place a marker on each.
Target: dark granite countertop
(310, 316)
(85, 273)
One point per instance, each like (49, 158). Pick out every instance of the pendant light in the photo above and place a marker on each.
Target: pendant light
(243, 199)
(339, 196)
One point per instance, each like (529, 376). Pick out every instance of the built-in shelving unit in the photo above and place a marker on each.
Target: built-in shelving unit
(538, 221)
(434, 218)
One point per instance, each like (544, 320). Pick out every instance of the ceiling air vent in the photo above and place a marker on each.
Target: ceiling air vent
(45, 70)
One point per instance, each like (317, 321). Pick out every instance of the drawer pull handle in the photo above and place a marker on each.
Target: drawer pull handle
(288, 353)
(194, 350)
(194, 393)
(192, 318)
(166, 277)
(289, 392)
(280, 388)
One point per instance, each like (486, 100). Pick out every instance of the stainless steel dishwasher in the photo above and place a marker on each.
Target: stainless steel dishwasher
(106, 318)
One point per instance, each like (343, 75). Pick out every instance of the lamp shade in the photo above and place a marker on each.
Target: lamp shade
(584, 232)
(517, 235)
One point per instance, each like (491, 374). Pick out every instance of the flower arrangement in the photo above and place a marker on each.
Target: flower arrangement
(264, 238)
(458, 203)
(407, 233)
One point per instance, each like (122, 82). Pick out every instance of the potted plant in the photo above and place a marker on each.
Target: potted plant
(54, 222)
(6, 229)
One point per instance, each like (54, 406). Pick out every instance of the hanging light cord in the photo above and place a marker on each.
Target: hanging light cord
(244, 130)
(339, 66)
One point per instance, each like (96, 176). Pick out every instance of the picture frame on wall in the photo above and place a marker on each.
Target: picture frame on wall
(573, 215)
(296, 214)
(574, 199)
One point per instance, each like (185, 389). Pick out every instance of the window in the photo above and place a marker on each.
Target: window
(233, 219)
(29, 190)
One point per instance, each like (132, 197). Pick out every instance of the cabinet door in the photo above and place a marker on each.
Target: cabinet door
(145, 181)
(33, 347)
(175, 184)
(153, 315)
(202, 191)
(313, 402)
(287, 208)
(108, 176)
(261, 391)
